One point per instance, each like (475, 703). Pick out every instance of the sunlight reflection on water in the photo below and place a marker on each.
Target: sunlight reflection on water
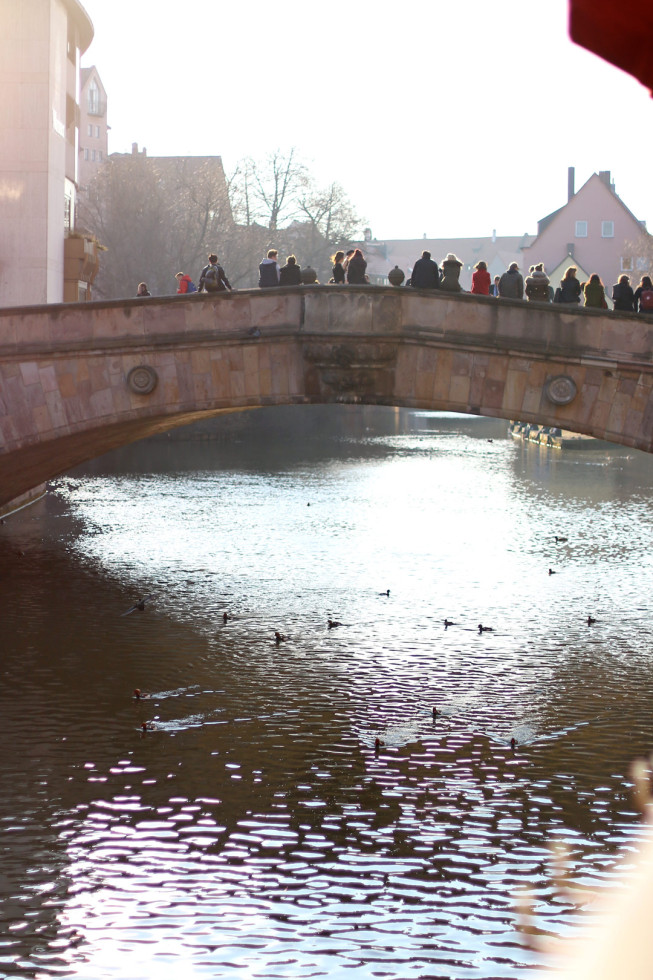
(257, 831)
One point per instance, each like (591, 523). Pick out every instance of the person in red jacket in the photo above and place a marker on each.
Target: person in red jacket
(186, 284)
(481, 279)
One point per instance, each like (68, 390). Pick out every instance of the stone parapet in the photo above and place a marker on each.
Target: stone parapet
(77, 380)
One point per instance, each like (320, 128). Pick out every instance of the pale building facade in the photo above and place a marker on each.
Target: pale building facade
(40, 46)
(93, 128)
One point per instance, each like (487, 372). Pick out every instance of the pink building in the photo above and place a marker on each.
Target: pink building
(594, 230)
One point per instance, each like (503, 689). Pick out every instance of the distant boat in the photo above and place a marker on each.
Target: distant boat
(556, 438)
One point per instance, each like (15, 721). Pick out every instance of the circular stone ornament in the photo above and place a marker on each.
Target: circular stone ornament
(142, 379)
(561, 390)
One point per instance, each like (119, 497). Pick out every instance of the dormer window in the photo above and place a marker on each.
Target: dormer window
(581, 229)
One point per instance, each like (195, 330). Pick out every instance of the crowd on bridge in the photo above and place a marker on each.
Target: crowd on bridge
(351, 268)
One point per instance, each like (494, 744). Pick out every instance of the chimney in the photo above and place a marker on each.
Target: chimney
(604, 175)
(494, 236)
(134, 149)
(570, 249)
(571, 179)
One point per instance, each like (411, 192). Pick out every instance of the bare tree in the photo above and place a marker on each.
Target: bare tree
(639, 256)
(331, 223)
(274, 187)
(155, 217)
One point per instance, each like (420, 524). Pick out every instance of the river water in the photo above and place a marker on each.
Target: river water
(257, 831)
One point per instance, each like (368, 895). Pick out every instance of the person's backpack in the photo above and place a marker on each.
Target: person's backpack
(212, 279)
(191, 287)
(646, 299)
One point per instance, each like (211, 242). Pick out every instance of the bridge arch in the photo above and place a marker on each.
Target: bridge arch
(79, 380)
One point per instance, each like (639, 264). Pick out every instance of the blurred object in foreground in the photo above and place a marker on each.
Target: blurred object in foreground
(620, 36)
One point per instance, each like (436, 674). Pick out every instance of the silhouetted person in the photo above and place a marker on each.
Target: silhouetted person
(338, 269)
(511, 283)
(356, 269)
(623, 295)
(569, 291)
(643, 298)
(537, 285)
(213, 278)
(426, 274)
(291, 274)
(268, 270)
(595, 293)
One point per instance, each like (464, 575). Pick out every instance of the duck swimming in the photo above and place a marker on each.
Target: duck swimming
(559, 540)
(590, 620)
(332, 623)
(279, 637)
(485, 629)
(225, 617)
(513, 743)
(551, 572)
(138, 694)
(148, 726)
(140, 605)
(387, 592)
(448, 622)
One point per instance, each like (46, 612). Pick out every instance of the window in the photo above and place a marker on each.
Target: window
(86, 154)
(626, 263)
(97, 132)
(92, 154)
(581, 229)
(642, 263)
(607, 229)
(99, 154)
(93, 96)
(90, 130)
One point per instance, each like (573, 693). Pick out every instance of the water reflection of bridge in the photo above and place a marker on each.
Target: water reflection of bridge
(79, 380)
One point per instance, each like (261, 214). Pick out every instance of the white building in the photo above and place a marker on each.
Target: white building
(40, 46)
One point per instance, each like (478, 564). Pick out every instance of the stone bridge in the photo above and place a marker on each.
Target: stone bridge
(80, 379)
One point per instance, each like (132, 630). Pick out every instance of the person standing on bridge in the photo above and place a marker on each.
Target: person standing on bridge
(511, 283)
(569, 291)
(595, 293)
(143, 290)
(268, 270)
(643, 298)
(425, 274)
(291, 274)
(623, 296)
(537, 285)
(356, 275)
(212, 277)
(186, 284)
(481, 279)
(338, 269)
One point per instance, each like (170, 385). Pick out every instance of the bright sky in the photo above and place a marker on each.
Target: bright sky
(445, 118)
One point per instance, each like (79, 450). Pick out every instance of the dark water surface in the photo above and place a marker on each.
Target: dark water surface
(256, 832)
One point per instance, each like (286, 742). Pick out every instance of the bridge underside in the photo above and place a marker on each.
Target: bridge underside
(149, 367)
